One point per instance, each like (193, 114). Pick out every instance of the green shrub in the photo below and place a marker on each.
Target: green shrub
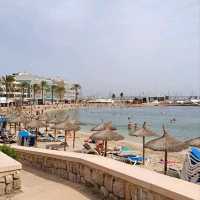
(8, 151)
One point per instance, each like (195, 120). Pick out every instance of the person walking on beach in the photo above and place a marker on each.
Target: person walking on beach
(129, 123)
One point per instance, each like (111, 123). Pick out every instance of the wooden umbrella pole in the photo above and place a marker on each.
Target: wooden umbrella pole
(143, 144)
(106, 143)
(65, 140)
(55, 133)
(15, 128)
(46, 127)
(73, 139)
(165, 164)
(36, 136)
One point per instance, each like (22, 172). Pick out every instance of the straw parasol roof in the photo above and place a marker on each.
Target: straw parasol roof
(14, 119)
(67, 126)
(26, 118)
(43, 117)
(133, 127)
(103, 126)
(57, 119)
(143, 132)
(194, 142)
(35, 124)
(107, 135)
(12, 116)
(166, 143)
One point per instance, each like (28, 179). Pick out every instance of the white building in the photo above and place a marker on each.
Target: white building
(30, 80)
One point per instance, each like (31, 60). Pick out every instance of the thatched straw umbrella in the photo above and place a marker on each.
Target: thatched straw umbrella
(56, 120)
(166, 143)
(143, 132)
(15, 119)
(194, 142)
(133, 128)
(107, 135)
(25, 119)
(44, 118)
(36, 124)
(68, 126)
(103, 126)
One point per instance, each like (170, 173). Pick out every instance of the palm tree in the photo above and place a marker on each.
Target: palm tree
(7, 81)
(36, 88)
(60, 90)
(121, 95)
(76, 88)
(113, 96)
(44, 85)
(24, 85)
(53, 88)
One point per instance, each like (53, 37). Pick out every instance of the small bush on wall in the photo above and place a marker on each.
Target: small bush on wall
(8, 151)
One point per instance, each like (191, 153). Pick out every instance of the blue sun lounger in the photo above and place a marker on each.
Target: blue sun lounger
(135, 159)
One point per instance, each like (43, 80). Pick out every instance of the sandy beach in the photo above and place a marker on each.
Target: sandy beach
(154, 158)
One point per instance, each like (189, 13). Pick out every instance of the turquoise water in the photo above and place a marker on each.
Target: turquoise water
(187, 123)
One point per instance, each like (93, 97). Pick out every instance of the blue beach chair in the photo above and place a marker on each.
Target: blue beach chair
(135, 159)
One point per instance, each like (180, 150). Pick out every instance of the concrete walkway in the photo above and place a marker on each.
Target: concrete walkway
(37, 185)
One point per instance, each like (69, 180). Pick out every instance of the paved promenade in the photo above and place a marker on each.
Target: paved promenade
(39, 186)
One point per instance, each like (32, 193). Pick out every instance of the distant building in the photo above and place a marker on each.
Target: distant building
(30, 80)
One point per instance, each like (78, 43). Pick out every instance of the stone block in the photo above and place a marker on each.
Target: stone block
(2, 188)
(87, 174)
(128, 191)
(81, 169)
(72, 177)
(150, 196)
(61, 164)
(76, 168)
(66, 175)
(97, 177)
(9, 179)
(104, 191)
(78, 177)
(63, 173)
(145, 195)
(70, 167)
(16, 175)
(119, 188)
(2, 179)
(133, 192)
(112, 197)
(17, 184)
(108, 182)
(157, 197)
(82, 180)
(9, 188)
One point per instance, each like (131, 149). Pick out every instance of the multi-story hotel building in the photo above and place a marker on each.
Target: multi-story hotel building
(14, 94)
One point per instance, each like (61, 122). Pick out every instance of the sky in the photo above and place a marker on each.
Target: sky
(149, 47)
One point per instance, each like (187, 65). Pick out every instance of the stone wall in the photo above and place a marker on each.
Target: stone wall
(10, 182)
(113, 179)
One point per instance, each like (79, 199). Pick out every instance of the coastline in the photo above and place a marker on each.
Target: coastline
(155, 158)
(54, 107)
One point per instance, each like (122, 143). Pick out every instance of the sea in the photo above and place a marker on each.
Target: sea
(185, 126)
